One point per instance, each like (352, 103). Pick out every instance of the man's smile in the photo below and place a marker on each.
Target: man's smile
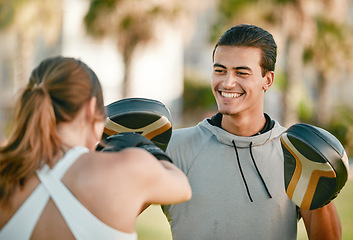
(230, 94)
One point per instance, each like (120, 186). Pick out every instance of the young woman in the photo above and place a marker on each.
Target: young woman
(54, 185)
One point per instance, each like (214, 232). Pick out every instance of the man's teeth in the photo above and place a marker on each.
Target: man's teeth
(230, 95)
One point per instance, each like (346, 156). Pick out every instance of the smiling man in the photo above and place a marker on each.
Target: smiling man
(238, 85)
(234, 161)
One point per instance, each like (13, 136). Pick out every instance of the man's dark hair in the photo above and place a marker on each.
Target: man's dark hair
(244, 35)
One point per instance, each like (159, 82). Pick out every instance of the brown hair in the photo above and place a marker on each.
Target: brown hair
(56, 91)
(244, 35)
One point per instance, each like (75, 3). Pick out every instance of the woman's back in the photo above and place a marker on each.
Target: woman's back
(114, 187)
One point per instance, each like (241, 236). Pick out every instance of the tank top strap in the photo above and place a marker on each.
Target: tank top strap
(27, 215)
(69, 158)
(82, 223)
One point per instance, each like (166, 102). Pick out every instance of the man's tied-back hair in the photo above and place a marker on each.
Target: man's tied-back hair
(252, 36)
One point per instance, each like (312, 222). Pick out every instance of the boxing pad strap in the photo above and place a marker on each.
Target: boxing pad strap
(156, 151)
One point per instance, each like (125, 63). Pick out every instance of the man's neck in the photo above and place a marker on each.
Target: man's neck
(241, 125)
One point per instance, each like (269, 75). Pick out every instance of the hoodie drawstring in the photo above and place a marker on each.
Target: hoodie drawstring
(258, 172)
(242, 174)
(241, 171)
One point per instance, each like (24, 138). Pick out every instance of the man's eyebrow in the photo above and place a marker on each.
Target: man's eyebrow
(235, 68)
(243, 68)
(218, 65)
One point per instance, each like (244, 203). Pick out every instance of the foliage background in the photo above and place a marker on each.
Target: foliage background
(152, 224)
(313, 75)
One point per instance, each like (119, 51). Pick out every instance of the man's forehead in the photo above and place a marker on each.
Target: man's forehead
(237, 56)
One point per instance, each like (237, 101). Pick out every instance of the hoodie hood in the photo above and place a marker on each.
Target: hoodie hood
(238, 142)
(243, 142)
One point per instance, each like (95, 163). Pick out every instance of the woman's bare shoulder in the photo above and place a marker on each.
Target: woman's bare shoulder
(105, 166)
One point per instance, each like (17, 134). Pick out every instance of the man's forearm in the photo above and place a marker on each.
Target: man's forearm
(322, 223)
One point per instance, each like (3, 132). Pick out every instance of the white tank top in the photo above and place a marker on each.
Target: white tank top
(82, 223)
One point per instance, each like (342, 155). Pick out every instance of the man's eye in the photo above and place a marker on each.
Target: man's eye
(242, 73)
(219, 71)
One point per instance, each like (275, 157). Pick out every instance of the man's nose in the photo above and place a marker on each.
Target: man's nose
(229, 81)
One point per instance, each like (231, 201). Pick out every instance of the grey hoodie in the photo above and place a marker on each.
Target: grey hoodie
(237, 183)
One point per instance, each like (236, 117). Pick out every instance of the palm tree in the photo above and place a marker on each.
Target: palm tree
(331, 54)
(27, 21)
(131, 23)
(23, 22)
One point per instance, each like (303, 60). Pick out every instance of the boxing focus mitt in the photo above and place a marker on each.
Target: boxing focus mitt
(121, 141)
(148, 117)
(315, 165)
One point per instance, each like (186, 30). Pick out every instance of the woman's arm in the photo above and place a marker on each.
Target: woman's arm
(159, 181)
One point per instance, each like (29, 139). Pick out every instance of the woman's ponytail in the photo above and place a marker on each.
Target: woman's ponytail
(33, 139)
(56, 91)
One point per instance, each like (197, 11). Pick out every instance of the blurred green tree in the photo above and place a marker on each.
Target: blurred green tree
(131, 23)
(28, 20)
(331, 54)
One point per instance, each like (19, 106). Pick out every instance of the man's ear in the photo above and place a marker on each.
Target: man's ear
(269, 78)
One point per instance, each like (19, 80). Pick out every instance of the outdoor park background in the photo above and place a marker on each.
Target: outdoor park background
(162, 49)
(152, 224)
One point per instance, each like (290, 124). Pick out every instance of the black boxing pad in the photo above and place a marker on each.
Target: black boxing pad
(148, 117)
(124, 140)
(315, 165)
